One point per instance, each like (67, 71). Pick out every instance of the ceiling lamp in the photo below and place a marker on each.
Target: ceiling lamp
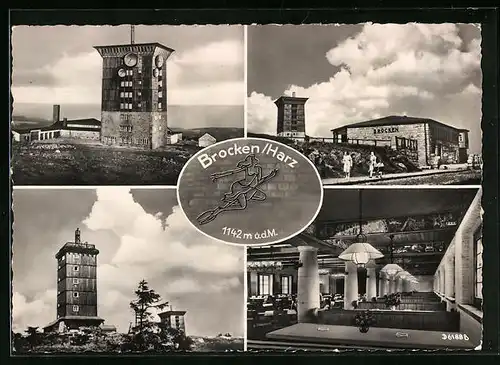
(391, 270)
(360, 252)
(323, 271)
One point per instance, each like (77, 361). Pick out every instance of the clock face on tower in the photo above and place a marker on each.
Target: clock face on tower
(159, 61)
(121, 72)
(130, 59)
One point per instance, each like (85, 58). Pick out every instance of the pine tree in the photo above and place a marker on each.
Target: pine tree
(147, 299)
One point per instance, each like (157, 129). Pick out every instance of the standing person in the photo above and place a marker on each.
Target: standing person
(347, 167)
(371, 164)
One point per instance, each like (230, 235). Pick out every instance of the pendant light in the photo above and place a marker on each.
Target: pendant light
(391, 269)
(360, 252)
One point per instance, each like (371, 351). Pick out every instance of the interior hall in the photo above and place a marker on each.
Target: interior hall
(378, 268)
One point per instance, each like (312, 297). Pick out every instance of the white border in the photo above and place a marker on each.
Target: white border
(245, 299)
(89, 187)
(245, 81)
(235, 140)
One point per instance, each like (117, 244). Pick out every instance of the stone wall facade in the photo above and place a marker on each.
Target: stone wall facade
(93, 135)
(416, 132)
(139, 129)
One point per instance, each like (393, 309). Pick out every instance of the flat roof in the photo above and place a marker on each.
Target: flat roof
(152, 44)
(290, 98)
(395, 119)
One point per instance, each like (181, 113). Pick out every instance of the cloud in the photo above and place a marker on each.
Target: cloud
(36, 312)
(162, 248)
(210, 74)
(159, 249)
(187, 285)
(421, 69)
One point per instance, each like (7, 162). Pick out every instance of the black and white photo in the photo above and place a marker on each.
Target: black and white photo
(121, 105)
(378, 269)
(408, 95)
(119, 270)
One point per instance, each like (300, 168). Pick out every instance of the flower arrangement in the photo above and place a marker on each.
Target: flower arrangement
(364, 320)
(392, 300)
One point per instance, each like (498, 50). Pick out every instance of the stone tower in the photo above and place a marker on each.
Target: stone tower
(134, 94)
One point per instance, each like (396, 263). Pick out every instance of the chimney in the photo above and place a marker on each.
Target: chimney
(77, 235)
(56, 113)
(65, 122)
(293, 94)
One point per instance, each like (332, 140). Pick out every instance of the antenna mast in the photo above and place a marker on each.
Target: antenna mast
(132, 34)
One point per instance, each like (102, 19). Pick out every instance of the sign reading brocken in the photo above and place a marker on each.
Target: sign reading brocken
(250, 191)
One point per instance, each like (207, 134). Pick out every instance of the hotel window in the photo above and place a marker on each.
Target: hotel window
(265, 284)
(478, 282)
(286, 284)
(76, 308)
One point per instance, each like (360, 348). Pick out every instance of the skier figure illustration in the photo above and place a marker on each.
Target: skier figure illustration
(241, 191)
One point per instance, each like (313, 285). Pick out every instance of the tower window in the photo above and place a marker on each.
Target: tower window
(122, 83)
(160, 94)
(76, 308)
(122, 94)
(76, 295)
(76, 268)
(160, 83)
(122, 106)
(129, 72)
(159, 106)
(75, 281)
(63, 258)
(139, 93)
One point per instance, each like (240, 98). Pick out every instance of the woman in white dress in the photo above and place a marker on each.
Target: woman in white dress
(347, 161)
(371, 164)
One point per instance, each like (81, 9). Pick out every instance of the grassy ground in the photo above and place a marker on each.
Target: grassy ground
(62, 162)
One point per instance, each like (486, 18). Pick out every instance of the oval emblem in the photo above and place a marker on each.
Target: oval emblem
(250, 191)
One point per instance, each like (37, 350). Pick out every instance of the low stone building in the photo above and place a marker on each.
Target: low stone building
(420, 139)
(206, 140)
(87, 128)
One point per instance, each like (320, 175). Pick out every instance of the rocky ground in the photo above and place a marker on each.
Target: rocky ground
(60, 162)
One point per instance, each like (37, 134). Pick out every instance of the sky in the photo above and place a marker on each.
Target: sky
(353, 73)
(58, 65)
(141, 234)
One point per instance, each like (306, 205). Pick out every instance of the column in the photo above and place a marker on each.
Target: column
(333, 285)
(253, 289)
(399, 285)
(371, 283)
(381, 285)
(308, 283)
(392, 286)
(405, 288)
(449, 277)
(350, 285)
(325, 279)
